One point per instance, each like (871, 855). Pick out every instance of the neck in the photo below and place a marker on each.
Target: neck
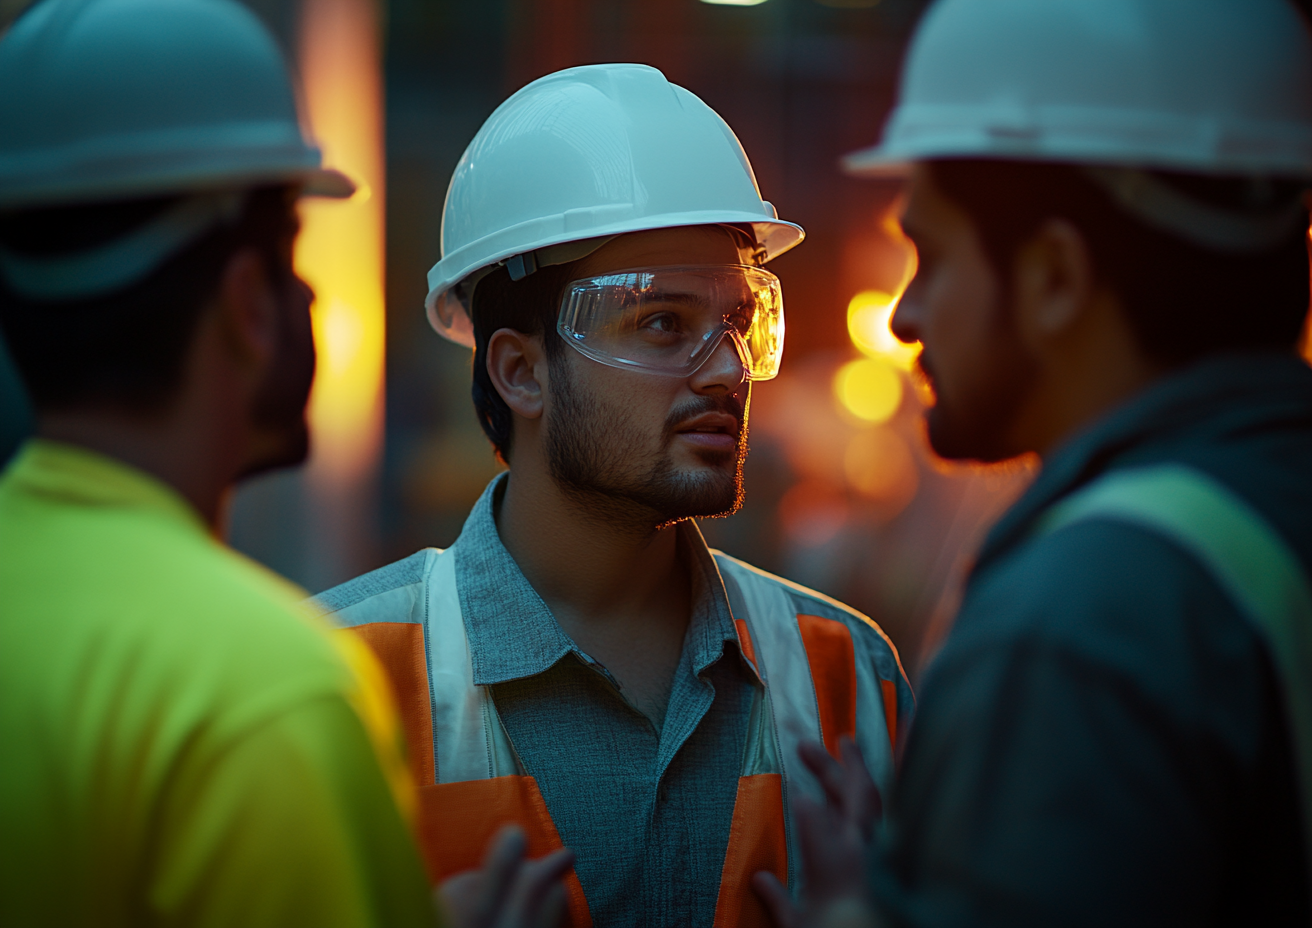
(618, 589)
(199, 443)
(178, 453)
(1084, 376)
(590, 571)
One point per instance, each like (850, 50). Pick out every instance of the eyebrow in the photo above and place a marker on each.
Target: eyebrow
(676, 296)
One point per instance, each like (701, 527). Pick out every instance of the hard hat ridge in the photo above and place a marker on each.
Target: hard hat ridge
(1156, 202)
(104, 269)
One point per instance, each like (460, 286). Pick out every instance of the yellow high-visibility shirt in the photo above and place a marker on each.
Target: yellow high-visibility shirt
(180, 742)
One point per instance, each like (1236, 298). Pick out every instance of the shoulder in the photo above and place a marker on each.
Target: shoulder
(1116, 603)
(393, 593)
(868, 639)
(1092, 574)
(175, 624)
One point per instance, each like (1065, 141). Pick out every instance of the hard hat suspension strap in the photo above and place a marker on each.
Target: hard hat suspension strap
(123, 261)
(1162, 206)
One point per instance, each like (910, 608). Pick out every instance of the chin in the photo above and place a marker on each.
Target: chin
(703, 495)
(966, 437)
(291, 450)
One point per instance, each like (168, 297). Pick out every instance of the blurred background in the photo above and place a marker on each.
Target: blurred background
(842, 494)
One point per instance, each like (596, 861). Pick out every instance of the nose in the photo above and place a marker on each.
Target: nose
(306, 291)
(906, 321)
(723, 372)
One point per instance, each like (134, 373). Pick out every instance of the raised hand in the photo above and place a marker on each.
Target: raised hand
(833, 840)
(508, 891)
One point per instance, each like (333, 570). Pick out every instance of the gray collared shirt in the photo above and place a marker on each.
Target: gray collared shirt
(647, 812)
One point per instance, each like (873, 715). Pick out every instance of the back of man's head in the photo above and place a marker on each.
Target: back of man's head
(146, 142)
(126, 348)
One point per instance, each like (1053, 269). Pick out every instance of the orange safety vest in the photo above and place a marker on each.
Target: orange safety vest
(471, 781)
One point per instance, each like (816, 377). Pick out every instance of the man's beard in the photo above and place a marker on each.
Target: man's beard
(589, 455)
(978, 426)
(279, 405)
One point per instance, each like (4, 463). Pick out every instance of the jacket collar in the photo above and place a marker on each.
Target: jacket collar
(77, 476)
(1209, 399)
(513, 635)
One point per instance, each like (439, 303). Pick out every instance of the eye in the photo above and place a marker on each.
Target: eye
(665, 323)
(741, 318)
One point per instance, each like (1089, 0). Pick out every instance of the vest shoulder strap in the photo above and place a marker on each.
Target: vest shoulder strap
(1243, 553)
(815, 688)
(469, 741)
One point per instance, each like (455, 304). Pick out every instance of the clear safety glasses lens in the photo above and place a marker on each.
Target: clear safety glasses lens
(671, 320)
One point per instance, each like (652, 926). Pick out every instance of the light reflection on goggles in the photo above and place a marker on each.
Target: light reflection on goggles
(670, 320)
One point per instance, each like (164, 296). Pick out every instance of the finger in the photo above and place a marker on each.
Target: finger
(831, 852)
(848, 913)
(777, 902)
(533, 888)
(457, 896)
(541, 876)
(551, 912)
(501, 866)
(827, 771)
(860, 786)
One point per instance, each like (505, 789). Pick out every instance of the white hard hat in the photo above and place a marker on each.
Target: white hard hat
(114, 99)
(578, 157)
(1203, 86)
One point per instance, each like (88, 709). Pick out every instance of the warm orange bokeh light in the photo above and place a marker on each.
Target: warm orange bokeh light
(879, 465)
(868, 316)
(812, 513)
(340, 250)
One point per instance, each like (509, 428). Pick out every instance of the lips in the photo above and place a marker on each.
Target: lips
(714, 423)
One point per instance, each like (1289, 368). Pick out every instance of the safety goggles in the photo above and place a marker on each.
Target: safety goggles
(670, 320)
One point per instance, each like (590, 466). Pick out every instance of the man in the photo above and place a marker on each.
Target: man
(1107, 201)
(579, 661)
(183, 743)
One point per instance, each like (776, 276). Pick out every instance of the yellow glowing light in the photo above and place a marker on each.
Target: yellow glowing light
(340, 249)
(868, 316)
(869, 388)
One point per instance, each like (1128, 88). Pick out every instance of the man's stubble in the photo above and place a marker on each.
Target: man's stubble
(590, 456)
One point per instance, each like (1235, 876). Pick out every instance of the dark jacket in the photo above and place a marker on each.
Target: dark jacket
(1102, 739)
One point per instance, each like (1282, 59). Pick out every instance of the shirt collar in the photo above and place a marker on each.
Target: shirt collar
(512, 633)
(1212, 397)
(78, 476)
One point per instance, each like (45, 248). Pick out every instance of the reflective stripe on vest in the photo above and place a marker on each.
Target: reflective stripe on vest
(472, 781)
(1246, 557)
(817, 695)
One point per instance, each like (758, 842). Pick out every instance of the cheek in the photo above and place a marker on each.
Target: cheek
(634, 403)
(961, 318)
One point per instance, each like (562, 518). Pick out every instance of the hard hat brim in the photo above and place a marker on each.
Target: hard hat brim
(877, 163)
(330, 183)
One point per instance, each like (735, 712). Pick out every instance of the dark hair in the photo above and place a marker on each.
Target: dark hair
(1184, 301)
(126, 349)
(529, 305)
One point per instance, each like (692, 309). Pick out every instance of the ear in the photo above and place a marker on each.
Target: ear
(517, 366)
(1054, 282)
(247, 309)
